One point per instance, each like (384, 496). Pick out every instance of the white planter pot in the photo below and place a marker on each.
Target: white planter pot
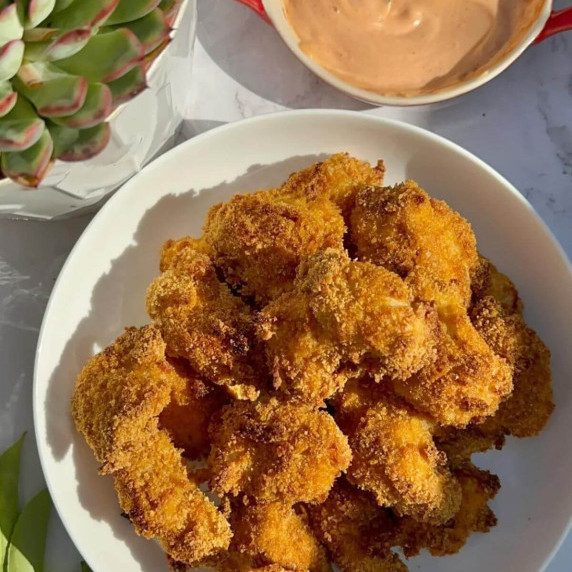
(140, 130)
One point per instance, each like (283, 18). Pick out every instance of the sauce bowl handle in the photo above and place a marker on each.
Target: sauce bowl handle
(258, 7)
(558, 21)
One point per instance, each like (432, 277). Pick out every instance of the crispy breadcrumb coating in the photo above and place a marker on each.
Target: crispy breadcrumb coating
(527, 410)
(187, 417)
(203, 322)
(488, 281)
(275, 451)
(341, 317)
(394, 456)
(466, 383)
(356, 531)
(118, 398)
(258, 240)
(434, 249)
(274, 533)
(420, 238)
(474, 515)
(337, 178)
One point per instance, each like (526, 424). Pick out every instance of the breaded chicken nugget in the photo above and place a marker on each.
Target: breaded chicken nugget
(527, 410)
(488, 281)
(274, 533)
(466, 383)
(474, 515)
(118, 398)
(275, 451)
(422, 239)
(356, 531)
(187, 417)
(393, 455)
(203, 322)
(341, 316)
(258, 240)
(337, 178)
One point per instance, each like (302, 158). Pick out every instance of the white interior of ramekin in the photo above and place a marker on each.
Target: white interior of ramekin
(275, 11)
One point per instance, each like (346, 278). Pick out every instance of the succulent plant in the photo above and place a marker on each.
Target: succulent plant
(65, 65)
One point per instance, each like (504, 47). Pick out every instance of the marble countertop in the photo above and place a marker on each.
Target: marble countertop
(520, 123)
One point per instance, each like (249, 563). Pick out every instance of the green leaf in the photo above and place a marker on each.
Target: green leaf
(129, 85)
(28, 542)
(32, 12)
(11, 55)
(53, 92)
(85, 567)
(9, 473)
(96, 108)
(21, 127)
(63, 138)
(90, 143)
(82, 14)
(10, 26)
(151, 29)
(8, 99)
(130, 10)
(106, 57)
(29, 167)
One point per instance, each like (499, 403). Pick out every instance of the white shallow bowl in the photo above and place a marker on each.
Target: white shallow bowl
(102, 288)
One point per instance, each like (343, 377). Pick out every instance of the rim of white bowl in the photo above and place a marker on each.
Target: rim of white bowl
(150, 73)
(126, 190)
(275, 11)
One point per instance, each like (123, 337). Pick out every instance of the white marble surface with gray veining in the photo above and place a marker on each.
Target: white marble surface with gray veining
(520, 123)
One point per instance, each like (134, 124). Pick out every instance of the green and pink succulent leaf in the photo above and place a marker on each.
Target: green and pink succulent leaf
(131, 10)
(97, 107)
(64, 66)
(90, 142)
(11, 56)
(10, 26)
(63, 4)
(20, 128)
(129, 85)
(83, 14)
(53, 92)
(151, 30)
(56, 45)
(170, 8)
(63, 138)
(8, 98)
(41, 35)
(105, 57)
(32, 12)
(29, 167)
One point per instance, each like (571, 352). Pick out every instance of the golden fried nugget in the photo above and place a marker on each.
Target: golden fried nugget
(356, 531)
(466, 383)
(203, 322)
(337, 178)
(526, 411)
(341, 317)
(420, 238)
(258, 240)
(118, 398)
(276, 451)
(488, 281)
(274, 533)
(474, 515)
(187, 417)
(393, 455)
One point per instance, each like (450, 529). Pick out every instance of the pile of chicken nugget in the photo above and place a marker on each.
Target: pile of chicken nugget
(320, 367)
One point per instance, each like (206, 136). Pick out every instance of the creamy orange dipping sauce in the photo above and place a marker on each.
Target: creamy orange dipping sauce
(408, 47)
